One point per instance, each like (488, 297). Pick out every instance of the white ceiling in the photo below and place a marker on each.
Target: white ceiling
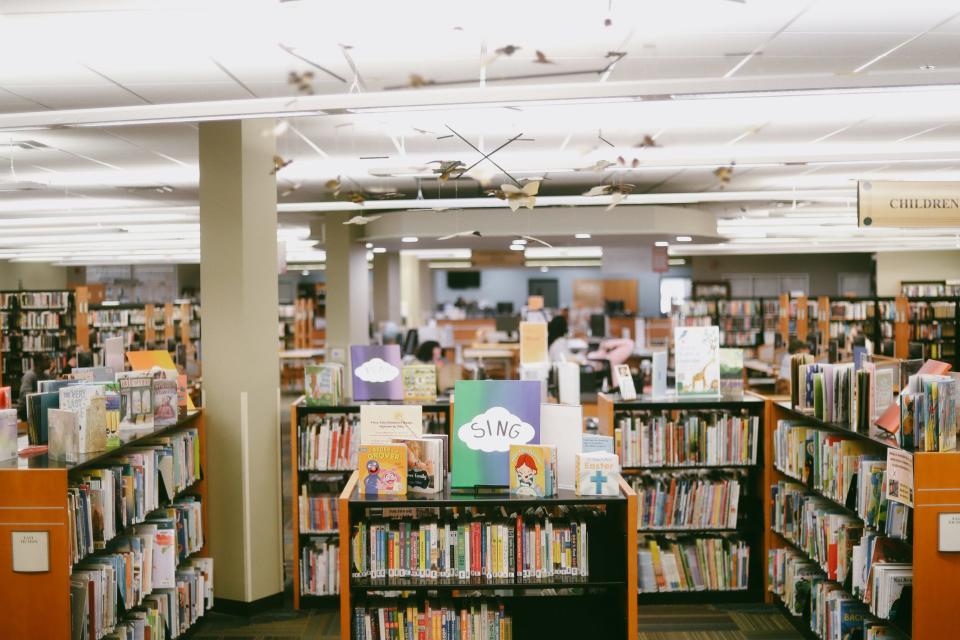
(714, 81)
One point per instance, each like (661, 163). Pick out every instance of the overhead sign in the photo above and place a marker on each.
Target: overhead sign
(908, 204)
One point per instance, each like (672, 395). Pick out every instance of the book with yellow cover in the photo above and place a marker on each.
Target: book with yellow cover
(383, 469)
(528, 470)
(420, 383)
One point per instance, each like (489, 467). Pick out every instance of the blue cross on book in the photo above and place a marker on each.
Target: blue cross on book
(600, 479)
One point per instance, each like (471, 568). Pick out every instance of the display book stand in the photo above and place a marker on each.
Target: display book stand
(930, 612)
(33, 497)
(299, 413)
(749, 526)
(603, 605)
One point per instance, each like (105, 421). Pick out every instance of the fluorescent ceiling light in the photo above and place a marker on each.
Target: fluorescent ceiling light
(519, 241)
(676, 262)
(517, 247)
(684, 239)
(369, 245)
(174, 120)
(379, 250)
(582, 236)
(409, 239)
(661, 243)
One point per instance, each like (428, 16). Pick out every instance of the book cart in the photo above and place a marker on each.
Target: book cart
(928, 611)
(33, 497)
(600, 605)
(326, 481)
(749, 525)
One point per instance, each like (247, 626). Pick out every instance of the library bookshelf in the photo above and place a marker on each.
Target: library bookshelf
(440, 417)
(604, 604)
(928, 611)
(749, 526)
(33, 497)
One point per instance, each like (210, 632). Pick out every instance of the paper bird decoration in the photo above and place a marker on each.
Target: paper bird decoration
(416, 81)
(333, 185)
(623, 163)
(448, 168)
(616, 54)
(598, 166)
(617, 192)
(361, 220)
(517, 197)
(278, 164)
(647, 142)
(607, 22)
(356, 197)
(302, 81)
(725, 174)
(508, 50)
(535, 239)
(461, 234)
(482, 173)
(541, 58)
(293, 187)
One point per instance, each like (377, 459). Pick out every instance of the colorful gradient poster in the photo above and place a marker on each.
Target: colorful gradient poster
(489, 416)
(376, 372)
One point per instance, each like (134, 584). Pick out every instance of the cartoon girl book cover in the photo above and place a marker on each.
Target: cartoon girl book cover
(383, 469)
(527, 471)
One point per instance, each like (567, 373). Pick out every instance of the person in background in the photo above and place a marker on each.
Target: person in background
(557, 344)
(430, 352)
(783, 375)
(28, 383)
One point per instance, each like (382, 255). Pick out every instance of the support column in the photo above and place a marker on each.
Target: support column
(238, 278)
(386, 287)
(348, 289)
(416, 283)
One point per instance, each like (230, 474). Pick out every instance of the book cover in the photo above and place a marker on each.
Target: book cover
(533, 343)
(376, 372)
(624, 378)
(136, 399)
(528, 470)
(64, 432)
(8, 433)
(697, 360)
(92, 374)
(385, 423)
(6, 398)
(165, 402)
(383, 469)
(420, 383)
(598, 474)
(491, 415)
(731, 371)
(562, 426)
(86, 400)
(323, 384)
(424, 464)
(593, 442)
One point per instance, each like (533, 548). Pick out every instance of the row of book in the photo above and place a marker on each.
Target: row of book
(101, 610)
(686, 501)
(40, 320)
(928, 413)
(698, 564)
(850, 310)
(104, 501)
(943, 310)
(110, 318)
(329, 442)
(741, 308)
(837, 393)
(934, 331)
(318, 513)
(531, 545)
(36, 300)
(881, 569)
(37, 342)
(320, 567)
(707, 438)
(431, 620)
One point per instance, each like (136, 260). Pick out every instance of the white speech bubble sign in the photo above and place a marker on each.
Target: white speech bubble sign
(376, 370)
(495, 430)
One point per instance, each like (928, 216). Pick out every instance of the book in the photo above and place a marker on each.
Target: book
(37, 406)
(384, 423)
(383, 469)
(688, 440)
(533, 343)
(592, 442)
(165, 402)
(376, 372)
(64, 432)
(136, 399)
(528, 471)
(420, 383)
(598, 474)
(624, 378)
(697, 360)
(731, 371)
(323, 384)
(490, 416)
(686, 500)
(562, 426)
(6, 398)
(92, 374)
(425, 470)
(88, 402)
(8, 433)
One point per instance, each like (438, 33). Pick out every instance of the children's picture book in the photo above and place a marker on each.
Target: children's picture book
(533, 343)
(165, 410)
(425, 469)
(420, 383)
(136, 399)
(598, 474)
(562, 426)
(731, 371)
(385, 423)
(527, 471)
(8, 433)
(593, 442)
(64, 431)
(383, 469)
(376, 372)
(323, 384)
(624, 377)
(92, 374)
(490, 416)
(697, 360)
(658, 384)
(87, 401)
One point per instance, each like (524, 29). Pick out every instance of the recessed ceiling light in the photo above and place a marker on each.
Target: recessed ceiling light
(379, 250)
(519, 241)
(684, 239)
(676, 262)
(582, 236)
(369, 245)
(408, 239)
(927, 67)
(661, 243)
(517, 247)
(544, 269)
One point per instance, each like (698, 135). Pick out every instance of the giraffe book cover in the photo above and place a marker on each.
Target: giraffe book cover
(598, 474)
(697, 361)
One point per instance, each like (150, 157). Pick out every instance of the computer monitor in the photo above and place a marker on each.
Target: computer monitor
(598, 325)
(508, 324)
(504, 308)
(613, 307)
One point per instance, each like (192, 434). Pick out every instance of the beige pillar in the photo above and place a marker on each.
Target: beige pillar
(238, 279)
(386, 287)
(348, 289)
(425, 283)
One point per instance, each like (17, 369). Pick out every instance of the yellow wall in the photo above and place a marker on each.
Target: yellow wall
(895, 266)
(32, 275)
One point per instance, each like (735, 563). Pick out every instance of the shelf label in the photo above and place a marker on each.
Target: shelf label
(948, 533)
(31, 551)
